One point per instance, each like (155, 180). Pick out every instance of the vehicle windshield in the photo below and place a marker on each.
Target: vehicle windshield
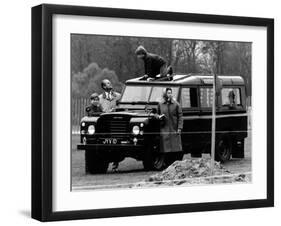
(146, 93)
(136, 93)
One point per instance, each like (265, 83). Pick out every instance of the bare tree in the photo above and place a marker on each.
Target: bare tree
(117, 53)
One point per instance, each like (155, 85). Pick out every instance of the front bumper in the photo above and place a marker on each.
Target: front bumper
(111, 147)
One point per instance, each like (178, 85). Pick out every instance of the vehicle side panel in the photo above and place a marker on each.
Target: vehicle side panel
(196, 134)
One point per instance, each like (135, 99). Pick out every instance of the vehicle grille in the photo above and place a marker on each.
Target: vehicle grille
(119, 128)
(114, 128)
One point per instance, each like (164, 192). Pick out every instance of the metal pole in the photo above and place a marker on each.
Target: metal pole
(213, 141)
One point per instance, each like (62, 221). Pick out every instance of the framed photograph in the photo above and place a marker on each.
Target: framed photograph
(146, 112)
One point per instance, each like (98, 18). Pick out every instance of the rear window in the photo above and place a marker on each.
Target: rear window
(230, 96)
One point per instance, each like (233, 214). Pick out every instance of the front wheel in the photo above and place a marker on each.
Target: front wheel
(95, 163)
(154, 161)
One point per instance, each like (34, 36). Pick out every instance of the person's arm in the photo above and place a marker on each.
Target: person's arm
(162, 65)
(145, 76)
(118, 95)
(145, 67)
(101, 103)
(180, 119)
(163, 70)
(158, 111)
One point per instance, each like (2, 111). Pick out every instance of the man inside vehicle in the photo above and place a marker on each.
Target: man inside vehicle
(231, 96)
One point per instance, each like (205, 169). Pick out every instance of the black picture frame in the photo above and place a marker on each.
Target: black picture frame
(42, 111)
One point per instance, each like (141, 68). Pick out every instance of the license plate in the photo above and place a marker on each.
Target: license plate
(110, 141)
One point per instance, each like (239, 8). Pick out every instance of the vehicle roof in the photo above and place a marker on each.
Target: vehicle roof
(191, 79)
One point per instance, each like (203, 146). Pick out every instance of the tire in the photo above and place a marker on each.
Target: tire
(94, 163)
(155, 161)
(223, 149)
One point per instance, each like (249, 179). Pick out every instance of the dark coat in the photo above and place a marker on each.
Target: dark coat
(170, 140)
(152, 62)
(93, 110)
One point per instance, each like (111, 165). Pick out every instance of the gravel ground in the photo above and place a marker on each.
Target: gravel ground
(131, 172)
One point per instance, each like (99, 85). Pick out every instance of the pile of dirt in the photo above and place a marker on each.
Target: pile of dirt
(194, 171)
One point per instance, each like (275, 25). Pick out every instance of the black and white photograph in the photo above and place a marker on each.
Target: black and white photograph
(142, 112)
(152, 112)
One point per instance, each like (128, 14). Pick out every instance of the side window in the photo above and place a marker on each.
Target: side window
(189, 97)
(231, 97)
(206, 97)
(157, 93)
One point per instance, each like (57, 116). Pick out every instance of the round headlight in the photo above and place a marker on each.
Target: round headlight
(136, 130)
(83, 124)
(91, 129)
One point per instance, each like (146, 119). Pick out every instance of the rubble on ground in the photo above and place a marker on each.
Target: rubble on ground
(193, 171)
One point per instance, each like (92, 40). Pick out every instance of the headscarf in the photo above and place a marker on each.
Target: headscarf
(141, 51)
